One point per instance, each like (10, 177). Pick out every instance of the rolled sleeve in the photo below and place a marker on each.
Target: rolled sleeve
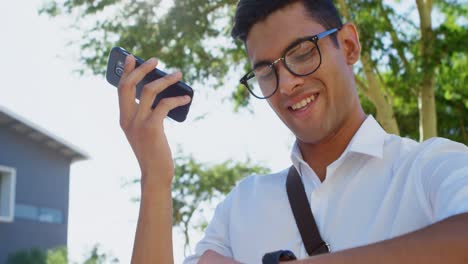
(451, 198)
(445, 179)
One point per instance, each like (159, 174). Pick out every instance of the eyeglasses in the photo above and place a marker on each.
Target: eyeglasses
(301, 58)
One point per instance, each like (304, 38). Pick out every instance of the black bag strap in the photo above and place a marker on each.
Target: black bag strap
(305, 221)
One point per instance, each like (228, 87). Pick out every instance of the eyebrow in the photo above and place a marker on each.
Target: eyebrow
(261, 63)
(267, 62)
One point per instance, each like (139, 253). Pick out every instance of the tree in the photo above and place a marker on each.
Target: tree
(96, 256)
(402, 61)
(196, 184)
(38, 256)
(58, 255)
(141, 27)
(35, 255)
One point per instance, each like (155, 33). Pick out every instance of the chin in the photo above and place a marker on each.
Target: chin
(310, 135)
(310, 139)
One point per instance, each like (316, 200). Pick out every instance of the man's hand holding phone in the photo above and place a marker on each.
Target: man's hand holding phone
(159, 95)
(115, 69)
(144, 126)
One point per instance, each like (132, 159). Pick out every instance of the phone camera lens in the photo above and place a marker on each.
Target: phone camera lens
(119, 71)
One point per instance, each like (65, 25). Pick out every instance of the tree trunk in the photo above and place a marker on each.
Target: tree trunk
(461, 106)
(385, 113)
(427, 106)
(427, 109)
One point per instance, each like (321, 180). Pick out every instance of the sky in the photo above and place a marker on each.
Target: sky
(38, 83)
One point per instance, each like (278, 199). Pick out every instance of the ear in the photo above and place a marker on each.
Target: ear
(349, 42)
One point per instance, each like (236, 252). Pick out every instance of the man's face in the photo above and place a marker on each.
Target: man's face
(330, 90)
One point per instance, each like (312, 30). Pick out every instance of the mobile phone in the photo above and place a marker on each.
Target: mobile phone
(115, 69)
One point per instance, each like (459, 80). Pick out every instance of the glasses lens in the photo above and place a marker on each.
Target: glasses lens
(262, 81)
(304, 58)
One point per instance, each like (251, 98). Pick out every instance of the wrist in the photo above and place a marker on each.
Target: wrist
(156, 192)
(159, 199)
(159, 180)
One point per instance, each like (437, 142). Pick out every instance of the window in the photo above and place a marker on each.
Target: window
(24, 211)
(50, 215)
(7, 193)
(41, 214)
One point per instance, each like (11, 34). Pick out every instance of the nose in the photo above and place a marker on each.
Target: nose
(287, 82)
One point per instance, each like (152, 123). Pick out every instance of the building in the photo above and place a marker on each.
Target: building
(34, 185)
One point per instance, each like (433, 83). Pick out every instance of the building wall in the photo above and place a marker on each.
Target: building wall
(42, 180)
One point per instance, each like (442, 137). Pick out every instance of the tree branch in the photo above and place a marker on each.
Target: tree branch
(361, 84)
(219, 5)
(384, 89)
(344, 9)
(385, 113)
(398, 44)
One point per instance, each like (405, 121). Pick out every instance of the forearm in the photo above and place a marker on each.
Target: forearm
(153, 239)
(443, 242)
(211, 257)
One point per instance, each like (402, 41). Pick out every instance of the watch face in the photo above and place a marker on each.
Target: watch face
(277, 256)
(287, 255)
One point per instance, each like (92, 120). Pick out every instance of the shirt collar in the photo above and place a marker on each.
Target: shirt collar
(369, 140)
(296, 157)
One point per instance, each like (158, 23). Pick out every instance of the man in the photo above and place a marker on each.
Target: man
(376, 197)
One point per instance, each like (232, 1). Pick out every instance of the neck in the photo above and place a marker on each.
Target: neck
(321, 154)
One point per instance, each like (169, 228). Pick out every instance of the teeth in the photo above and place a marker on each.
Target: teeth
(303, 103)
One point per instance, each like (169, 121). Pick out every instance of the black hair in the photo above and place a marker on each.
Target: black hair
(250, 12)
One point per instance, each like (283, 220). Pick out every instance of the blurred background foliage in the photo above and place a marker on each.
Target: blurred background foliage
(59, 255)
(197, 185)
(194, 36)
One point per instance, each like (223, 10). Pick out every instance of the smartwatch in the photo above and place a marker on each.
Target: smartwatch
(277, 256)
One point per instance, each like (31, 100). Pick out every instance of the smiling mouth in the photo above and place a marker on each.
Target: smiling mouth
(304, 102)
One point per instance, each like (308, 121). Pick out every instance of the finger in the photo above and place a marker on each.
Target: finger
(129, 66)
(127, 104)
(166, 105)
(152, 89)
(137, 74)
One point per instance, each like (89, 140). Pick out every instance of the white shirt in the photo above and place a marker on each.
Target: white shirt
(382, 186)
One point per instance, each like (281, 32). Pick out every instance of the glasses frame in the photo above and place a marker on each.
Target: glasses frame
(314, 39)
